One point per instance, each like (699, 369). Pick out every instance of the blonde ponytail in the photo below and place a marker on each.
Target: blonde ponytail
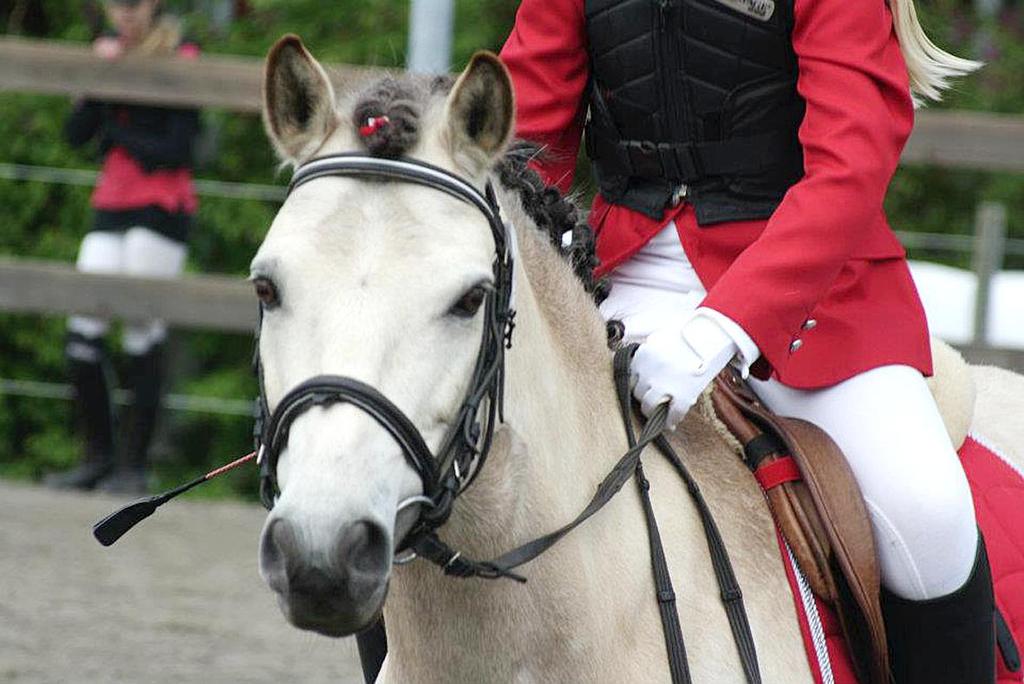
(930, 66)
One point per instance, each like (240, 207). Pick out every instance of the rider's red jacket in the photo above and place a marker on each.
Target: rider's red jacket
(822, 286)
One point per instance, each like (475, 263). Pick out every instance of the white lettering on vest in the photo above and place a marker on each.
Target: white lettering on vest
(762, 10)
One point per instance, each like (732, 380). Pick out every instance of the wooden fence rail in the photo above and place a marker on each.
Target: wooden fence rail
(87, 178)
(192, 301)
(61, 68)
(966, 140)
(978, 141)
(208, 302)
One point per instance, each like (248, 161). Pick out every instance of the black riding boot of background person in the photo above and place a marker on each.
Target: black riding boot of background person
(373, 646)
(144, 380)
(950, 639)
(90, 374)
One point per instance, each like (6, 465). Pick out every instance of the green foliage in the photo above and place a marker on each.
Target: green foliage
(34, 430)
(943, 201)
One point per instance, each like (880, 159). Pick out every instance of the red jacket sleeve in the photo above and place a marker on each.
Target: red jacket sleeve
(859, 115)
(546, 55)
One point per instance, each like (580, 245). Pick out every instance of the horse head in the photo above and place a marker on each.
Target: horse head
(376, 281)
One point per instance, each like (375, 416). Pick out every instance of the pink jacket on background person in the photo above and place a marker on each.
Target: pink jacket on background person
(124, 183)
(822, 286)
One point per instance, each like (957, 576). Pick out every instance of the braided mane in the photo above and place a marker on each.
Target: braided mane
(554, 214)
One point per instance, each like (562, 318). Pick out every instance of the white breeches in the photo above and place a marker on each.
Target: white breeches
(885, 421)
(137, 251)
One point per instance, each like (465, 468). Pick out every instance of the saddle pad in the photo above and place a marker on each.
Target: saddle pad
(824, 643)
(998, 489)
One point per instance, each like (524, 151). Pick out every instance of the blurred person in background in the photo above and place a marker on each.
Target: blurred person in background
(144, 202)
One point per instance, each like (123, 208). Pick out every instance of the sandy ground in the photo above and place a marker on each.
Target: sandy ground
(178, 599)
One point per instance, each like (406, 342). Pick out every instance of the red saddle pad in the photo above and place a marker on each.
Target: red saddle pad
(998, 489)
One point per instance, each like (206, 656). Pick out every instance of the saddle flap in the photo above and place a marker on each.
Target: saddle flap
(819, 510)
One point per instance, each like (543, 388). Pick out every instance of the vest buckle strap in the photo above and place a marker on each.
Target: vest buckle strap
(681, 162)
(641, 156)
(648, 159)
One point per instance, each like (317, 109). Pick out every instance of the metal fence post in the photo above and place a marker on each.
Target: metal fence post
(989, 250)
(430, 36)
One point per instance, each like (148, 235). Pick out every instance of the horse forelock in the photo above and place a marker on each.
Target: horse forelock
(405, 100)
(554, 214)
(399, 101)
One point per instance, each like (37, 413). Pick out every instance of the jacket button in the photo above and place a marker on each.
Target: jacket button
(810, 323)
(796, 345)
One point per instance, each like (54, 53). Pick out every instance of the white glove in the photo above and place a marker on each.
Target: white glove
(676, 363)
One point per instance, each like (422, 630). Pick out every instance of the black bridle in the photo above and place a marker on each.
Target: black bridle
(464, 449)
(467, 442)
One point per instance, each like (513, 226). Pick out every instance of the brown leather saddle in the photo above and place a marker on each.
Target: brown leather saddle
(820, 511)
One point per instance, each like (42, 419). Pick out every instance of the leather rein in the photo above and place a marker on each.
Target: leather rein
(464, 449)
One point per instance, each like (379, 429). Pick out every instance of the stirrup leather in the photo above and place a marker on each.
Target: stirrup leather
(820, 512)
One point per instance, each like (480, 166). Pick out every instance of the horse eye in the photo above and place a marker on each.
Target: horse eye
(469, 303)
(266, 292)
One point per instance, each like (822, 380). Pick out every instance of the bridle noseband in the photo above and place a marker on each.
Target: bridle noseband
(465, 446)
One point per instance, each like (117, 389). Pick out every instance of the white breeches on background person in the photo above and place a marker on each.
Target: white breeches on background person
(885, 421)
(137, 251)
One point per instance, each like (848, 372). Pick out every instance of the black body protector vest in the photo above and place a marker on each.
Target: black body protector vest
(694, 100)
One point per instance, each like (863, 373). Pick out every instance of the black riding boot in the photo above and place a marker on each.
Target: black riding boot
(373, 646)
(145, 373)
(950, 639)
(89, 371)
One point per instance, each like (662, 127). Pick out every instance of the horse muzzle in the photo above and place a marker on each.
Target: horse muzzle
(335, 591)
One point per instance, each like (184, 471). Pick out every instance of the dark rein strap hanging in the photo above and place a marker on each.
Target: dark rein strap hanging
(453, 563)
(732, 597)
(729, 588)
(665, 594)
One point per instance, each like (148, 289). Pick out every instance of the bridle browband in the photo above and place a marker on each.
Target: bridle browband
(467, 442)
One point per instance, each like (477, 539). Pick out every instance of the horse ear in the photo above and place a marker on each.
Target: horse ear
(298, 100)
(480, 113)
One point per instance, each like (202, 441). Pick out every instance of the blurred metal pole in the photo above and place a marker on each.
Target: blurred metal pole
(987, 8)
(430, 36)
(222, 13)
(989, 250)
(987, 11)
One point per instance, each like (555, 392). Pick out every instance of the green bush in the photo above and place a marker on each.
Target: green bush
(943, 201)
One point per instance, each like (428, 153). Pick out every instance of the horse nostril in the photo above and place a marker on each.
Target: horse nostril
(312, 581)
(277, 545)
(363, 550)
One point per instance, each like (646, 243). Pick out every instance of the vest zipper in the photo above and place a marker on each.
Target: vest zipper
(668, 70)
(661, 65)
